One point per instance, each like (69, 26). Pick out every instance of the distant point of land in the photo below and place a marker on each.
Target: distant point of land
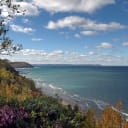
(20, 65)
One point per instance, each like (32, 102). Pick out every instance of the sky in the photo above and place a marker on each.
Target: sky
(71, 32)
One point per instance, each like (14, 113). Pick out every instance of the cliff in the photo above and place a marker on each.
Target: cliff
(20, 65)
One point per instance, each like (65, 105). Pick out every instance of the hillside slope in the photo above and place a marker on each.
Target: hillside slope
(22, 105)
(20, 65)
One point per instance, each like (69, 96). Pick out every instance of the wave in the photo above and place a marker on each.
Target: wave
(53, 87)
(73, 99)
(83, 103)
(123, 113)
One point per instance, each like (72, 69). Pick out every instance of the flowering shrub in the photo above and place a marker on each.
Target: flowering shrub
(9, 116)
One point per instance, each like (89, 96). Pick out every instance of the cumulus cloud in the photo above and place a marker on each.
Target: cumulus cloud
(26, 8)
(35, 52)
(87, 6)
(37, 39)
(29, 8)
(28, 52)
(125, 44)
(105, 45)
(69, 22)
(73, 22)
(109, 26)
(65, 57)
(21, 29)
(88, 33)
(56, 53)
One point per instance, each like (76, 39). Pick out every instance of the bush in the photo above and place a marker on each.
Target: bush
(10, 116)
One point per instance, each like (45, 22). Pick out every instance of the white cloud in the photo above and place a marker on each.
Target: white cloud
(56, 53)
(29, 7)
(125, 44)
(4, 11)
(105, 45)
(25, 21)
(91, 53)
(31, 52)
(88, 33)
(69, 22)
(35, 52)
(77, 35)
(88, 6)
(21, 29)
(65, 57)
(83, 55)
(73, 22)
(109, 26)
(37, 39)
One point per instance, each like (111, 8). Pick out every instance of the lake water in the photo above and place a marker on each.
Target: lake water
(88, 86)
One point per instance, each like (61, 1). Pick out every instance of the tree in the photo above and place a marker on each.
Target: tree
(8, 10)
(90, 121)
(112, 118)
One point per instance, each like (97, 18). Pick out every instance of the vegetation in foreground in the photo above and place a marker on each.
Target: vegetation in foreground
(22, 105)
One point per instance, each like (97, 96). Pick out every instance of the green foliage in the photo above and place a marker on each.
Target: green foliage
(90, 120)
(9, 76)
(46, 111)
(20, 94)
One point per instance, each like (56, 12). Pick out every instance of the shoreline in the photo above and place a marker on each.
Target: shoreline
(66, 98)
(84, 104)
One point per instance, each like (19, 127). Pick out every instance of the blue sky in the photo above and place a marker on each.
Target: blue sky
(71, 32)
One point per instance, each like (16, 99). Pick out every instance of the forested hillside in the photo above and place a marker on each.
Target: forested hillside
(22, 105)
